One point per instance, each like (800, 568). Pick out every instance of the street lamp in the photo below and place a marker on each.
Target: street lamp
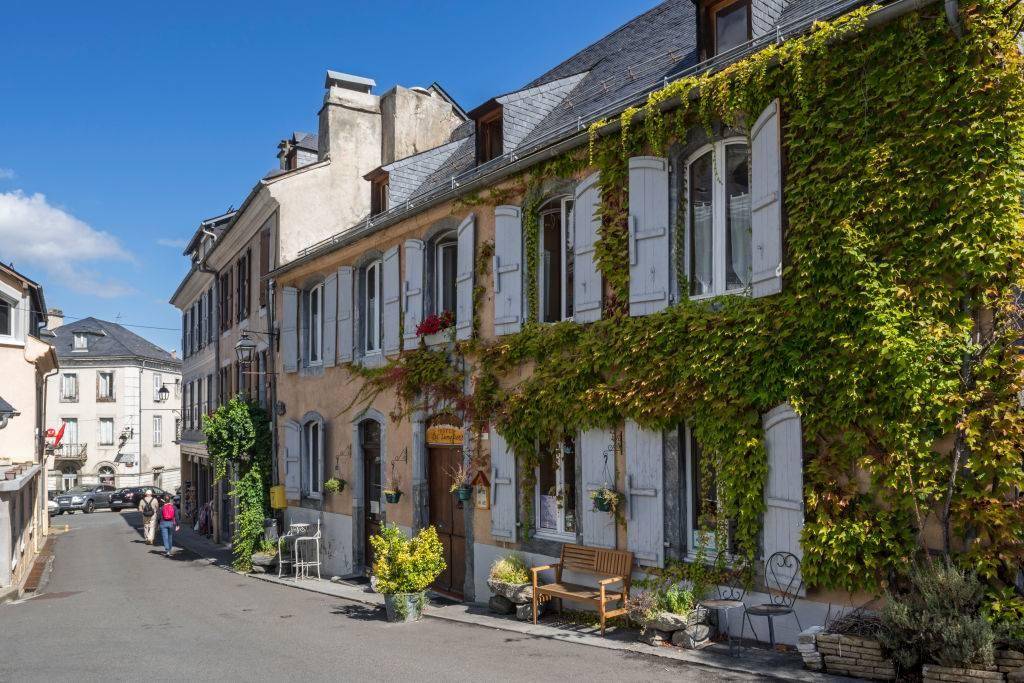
(245, 349)
(163, 393)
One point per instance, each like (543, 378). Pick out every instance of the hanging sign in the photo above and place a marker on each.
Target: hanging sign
(444, 435)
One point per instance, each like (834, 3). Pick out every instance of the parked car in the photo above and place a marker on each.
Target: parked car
(52, 506)
(130, 496)
(85, 498)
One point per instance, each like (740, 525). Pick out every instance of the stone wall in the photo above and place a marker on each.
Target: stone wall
(844, 655)
(932, 673)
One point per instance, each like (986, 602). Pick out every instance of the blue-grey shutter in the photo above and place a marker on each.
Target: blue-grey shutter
(292, 459)
(645, 531)
(597, 465)
(766, 203)
(648, 235)
(508, 270)
(330, 321)
(587, 287)
(466, 257)
(503, 489)
(346, 327)
(783, 493)
(412, 291)
(389, 294)
(289, 337)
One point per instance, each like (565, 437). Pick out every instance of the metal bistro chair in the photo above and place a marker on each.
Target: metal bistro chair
(729, 595)
(286, 547)
(783, 581)
(307, 547)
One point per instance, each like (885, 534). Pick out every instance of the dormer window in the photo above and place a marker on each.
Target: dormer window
(489, 140)
(379, 198)
(81, 342)
(6, 318)
(727, 25)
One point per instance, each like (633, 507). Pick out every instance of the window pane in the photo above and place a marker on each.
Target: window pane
(551, 267)
(449, 265)
(314, 325)
(731, 27)
(547, 480)
(737, 216)
(569, 484)
(705, 488)
(5, 318)
(569, 263)
(701, 179)
(371, 308)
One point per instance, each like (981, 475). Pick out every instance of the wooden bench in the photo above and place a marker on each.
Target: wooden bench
(610, 566)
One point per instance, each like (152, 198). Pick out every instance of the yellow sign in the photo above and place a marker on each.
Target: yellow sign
(444, 435)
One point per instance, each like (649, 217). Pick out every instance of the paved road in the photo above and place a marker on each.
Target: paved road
(116, 609)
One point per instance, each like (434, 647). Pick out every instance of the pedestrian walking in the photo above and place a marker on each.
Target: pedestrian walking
(170, 521)
(149, 506)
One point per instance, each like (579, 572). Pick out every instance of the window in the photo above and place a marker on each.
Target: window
(107, 476)
(225, 301)
(211, 332)
(210, 407)
(264, 263)
(314, 467)
(158, 430)
(489, 136)
(556, 491)
(242, 283)
(106, 435)
(158, 384)
(556, 261)
(446, 261)
(379, 195)
(81, 342)
(69, 387)
(718, 219)
(104, 386)
(315, 325)
(371, 308)
(6, 318)
(701, 494)
(70, 432)
(177, 388)
(177, 429)
(728, 25)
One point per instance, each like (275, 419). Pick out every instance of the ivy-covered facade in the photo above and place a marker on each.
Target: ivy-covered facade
(772, 305)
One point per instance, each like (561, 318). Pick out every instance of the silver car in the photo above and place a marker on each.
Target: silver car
(84, 498)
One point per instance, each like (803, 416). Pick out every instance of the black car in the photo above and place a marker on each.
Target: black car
(130, 496)
(85, 498)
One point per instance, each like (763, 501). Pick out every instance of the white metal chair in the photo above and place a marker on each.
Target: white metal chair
(307, 547)
(286, 547)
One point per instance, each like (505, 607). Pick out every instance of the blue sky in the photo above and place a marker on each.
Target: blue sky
(124, 124)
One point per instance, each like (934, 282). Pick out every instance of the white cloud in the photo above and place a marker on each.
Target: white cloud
(68, 250)
(6, 173)
(173, 243)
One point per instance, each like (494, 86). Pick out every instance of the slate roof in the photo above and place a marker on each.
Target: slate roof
(308, 141)
(107, 340)
(406, 175)
(6, 408)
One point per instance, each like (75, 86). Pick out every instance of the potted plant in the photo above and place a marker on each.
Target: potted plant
(460, 482)
(435, 328)
(606, 499)
(334, 485)
(404, 567)
(510, 579)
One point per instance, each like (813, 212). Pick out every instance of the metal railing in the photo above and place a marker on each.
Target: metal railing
(71, 451)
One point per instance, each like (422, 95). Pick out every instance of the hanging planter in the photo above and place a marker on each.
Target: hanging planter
(603, 504)
(392, 496)
(606, 499)
(464, 492)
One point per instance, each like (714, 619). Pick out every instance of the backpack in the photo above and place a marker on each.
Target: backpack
(148, 510)
(167, 512)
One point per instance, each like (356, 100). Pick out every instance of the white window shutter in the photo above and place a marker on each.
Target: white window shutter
(645, 527)
(648, 235)
(330, 321)
(503, 489)
(508, 269)
(292, 459)
(784, 490)
(389, 291)
(412, 291)
(766, 204)
(289, 338)
(587, 287)
(464, 278)
(346, 328)
(597, 453)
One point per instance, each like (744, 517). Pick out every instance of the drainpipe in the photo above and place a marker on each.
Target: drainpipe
(43, 519)
(953, 17)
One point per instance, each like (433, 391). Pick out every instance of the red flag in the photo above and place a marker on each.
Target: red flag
(60, 434)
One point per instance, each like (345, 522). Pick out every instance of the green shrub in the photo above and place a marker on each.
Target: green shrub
(938, 619)
(406, 565)
(676, 599)
(510, 569)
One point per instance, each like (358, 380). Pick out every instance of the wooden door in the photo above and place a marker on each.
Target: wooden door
(448, 517)
(369, 436)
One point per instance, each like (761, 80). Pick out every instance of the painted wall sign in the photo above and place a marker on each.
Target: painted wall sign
(444, 435)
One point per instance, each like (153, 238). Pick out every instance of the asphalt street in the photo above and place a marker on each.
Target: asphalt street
(117, 609)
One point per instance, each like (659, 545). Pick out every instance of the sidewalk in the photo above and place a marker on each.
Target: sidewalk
(751, 661)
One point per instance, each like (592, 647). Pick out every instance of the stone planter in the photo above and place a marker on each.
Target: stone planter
(845, 655)
(516, 593)
(404, 607)
(263, 563)
(688, 631)
(933, 673)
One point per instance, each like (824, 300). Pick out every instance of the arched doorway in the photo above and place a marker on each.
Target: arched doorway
(446, 511)
(68, 477)
(107, 475)
(370, 446)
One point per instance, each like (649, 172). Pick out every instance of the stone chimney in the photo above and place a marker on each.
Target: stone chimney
(413, 121)
(54, 318)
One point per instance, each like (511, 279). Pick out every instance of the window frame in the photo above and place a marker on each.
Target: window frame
(711, 12)
(79, 337)
(560, 534)
(717, 149)
(99, 385)
(564, 207)
(158, 430)
(314, 469)
(490, 130)
(375, 266)
(315, 332)
(446, 240)
(99, 436)
(691, 529)
(64, 396)
(11, 307)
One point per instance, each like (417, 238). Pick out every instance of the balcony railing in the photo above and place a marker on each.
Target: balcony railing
(71, 451)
